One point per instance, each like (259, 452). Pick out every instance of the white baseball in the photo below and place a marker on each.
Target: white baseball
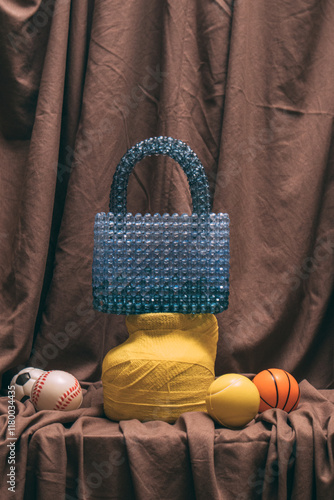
(56, 390)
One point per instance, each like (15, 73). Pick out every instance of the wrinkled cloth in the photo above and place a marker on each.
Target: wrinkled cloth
(249, 87)
(81, 454)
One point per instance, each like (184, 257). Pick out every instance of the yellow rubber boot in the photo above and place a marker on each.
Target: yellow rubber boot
(164, 368)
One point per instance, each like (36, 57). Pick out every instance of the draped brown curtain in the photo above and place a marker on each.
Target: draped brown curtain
(249, 86)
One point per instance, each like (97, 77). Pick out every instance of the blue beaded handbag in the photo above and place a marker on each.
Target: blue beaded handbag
(153, 263)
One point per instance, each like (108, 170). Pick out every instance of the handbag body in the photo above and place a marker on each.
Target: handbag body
(161, 263)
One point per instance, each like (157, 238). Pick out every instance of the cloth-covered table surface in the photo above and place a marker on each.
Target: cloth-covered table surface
(81, 454)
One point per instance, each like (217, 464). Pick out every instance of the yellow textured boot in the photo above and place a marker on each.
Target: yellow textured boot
(164, 368)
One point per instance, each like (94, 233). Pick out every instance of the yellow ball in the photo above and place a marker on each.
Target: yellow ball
(232, 400)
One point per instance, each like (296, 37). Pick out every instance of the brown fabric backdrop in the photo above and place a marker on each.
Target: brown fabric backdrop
(249, 87)
(250, 90)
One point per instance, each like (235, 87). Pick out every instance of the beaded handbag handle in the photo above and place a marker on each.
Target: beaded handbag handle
(167, 146)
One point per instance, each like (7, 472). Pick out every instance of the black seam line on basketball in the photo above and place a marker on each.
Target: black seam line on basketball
(296, 399)
(275, 386)
(266, 402)
(287, 399)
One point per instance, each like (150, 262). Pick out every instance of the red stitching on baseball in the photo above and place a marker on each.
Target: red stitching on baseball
(71, 397)
(66, 403)
(63, 400)
(38, 387)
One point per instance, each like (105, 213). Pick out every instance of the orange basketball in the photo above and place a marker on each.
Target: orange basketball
(278, 389)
